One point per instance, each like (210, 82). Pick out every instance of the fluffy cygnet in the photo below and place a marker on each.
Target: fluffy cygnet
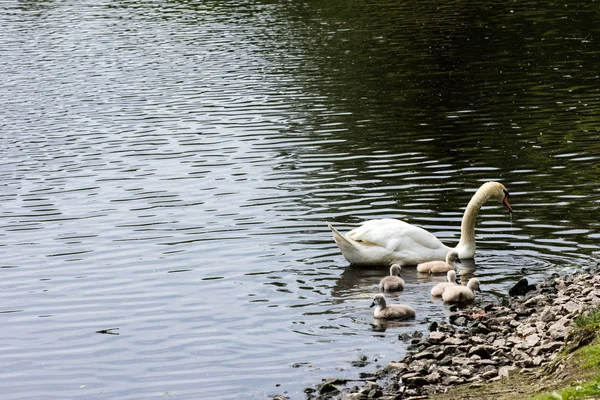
(461, 294)
(438, 289)
(393, 311)
(439, 267)
(392, 283)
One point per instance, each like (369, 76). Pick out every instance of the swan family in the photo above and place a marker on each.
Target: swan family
(396, 243)
(391, 241)
(450, 291)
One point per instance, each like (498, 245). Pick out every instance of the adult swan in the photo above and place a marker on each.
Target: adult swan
(391, 241)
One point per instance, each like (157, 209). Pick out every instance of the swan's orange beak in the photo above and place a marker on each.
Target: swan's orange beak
(506, 203)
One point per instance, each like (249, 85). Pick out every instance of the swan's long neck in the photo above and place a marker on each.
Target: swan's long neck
(466, 245)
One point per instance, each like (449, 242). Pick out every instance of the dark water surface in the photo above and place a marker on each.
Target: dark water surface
(169, 166)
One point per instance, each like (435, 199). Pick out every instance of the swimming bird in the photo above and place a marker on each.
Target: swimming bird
(392, 283)
(394, 311)
(461, 294)
(438, 267)
(438, 289)
(390, 241)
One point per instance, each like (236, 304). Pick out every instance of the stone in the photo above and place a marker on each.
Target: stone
(480, 328)
(560, 329)
(424, 355)
(433, 377)
(537, 361)
(329, 387)
(460, 321)
(483, 351)
(396, 367)
(453, 341)
(477, 340)
(414, 381)
(461, 361)
(551, 347)
(450, 350)
(526, 330)
(536, 301)
(532, 340)
(506, 370)
(489, 374)
(548, 315)
(513, 340)
(436, 336)
(447, 371)
(562, 300)
(409, 375)
(420, 366)
(572, 308)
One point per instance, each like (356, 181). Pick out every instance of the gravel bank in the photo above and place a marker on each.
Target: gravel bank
(481, 343)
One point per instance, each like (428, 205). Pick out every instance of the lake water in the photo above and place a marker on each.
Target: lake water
(169, 167)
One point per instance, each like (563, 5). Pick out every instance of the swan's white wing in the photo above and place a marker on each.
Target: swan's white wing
(395, 235)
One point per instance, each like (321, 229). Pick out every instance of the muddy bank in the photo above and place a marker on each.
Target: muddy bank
(482, 343)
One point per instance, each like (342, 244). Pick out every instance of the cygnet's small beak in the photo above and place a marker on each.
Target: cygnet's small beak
(372, 305)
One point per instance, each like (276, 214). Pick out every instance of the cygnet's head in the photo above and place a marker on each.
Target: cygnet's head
(451, 276)
(452, 257)
(473, 284)
(395, 270)
(378, 300)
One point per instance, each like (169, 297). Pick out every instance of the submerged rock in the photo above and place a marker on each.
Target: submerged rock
(521, 288)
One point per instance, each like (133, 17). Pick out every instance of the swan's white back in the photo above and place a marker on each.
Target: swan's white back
(389, 241)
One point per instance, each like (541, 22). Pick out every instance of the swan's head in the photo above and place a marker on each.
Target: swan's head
(452, 258)
(395, 270)
(473, 284)
(451, 276)
(378, 300)
(497, 191)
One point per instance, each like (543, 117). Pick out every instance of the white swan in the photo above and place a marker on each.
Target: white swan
(391, 241)
(438, 289)
(394, 311)
(392, 283)
(461, 294)
(439, 267)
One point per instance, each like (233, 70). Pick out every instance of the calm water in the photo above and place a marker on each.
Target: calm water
(168, 169)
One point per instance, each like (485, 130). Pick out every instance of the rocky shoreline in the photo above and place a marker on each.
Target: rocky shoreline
(482, 343)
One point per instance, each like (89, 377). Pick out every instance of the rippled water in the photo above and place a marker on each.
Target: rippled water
(168, 169)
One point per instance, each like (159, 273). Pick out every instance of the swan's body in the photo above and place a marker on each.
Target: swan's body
(438, 289)
(391, 241)
(461, 294)
(392, 283)
(440, 267)
(394, 311)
